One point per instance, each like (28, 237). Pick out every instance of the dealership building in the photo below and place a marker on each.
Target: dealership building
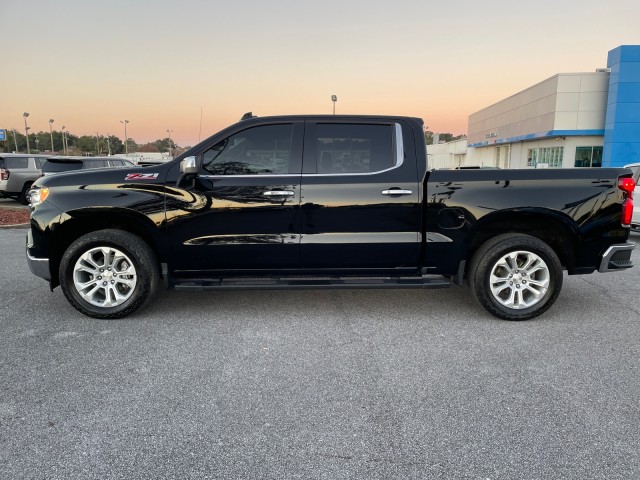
(569, 120)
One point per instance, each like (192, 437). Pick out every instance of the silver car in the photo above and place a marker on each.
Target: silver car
(17, 172)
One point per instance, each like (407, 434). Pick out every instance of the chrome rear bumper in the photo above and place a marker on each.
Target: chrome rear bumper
(617, 257)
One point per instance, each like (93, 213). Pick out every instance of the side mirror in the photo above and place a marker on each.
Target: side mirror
(189, 166)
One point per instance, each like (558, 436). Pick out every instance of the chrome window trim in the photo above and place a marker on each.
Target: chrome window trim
(398, 140)
(286, 175)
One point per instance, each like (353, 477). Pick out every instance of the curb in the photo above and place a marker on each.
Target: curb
(15, 225)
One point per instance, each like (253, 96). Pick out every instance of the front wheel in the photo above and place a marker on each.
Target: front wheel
(515, 276)
(108, 273)
(23, 198)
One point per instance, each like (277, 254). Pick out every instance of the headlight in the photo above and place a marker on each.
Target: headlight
(37, 196)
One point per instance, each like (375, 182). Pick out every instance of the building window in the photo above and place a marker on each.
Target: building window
(588, 157)
(550, 156)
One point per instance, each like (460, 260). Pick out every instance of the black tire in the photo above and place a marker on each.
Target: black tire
(144, 268)
(22, 198)
(523, 295)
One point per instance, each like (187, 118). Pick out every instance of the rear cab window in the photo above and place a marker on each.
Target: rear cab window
(344, 148)
(352, 149)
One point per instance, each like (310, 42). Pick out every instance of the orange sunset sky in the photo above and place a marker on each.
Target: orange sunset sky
(89, 64)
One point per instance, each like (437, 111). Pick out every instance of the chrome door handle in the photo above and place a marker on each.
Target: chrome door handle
(396, 191)
(279, 193)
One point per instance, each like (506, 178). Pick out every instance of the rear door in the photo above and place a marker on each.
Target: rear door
(360, 201)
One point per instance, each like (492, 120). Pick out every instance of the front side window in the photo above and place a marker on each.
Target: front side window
(345, 148)
(263, 150)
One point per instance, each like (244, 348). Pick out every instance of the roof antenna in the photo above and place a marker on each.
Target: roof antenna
(247, 116)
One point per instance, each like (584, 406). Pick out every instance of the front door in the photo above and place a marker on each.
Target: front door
(241, 212)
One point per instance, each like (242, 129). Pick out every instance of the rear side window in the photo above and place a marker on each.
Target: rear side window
(344, 148)
(95, 163)
(19, 162)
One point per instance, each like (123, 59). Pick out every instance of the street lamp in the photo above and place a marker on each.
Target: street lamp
(15, 140)
(51, 133)
(126, 139)
(64, 145)
(334, 99)
(37, 143)
(26, 130)
(169, 132)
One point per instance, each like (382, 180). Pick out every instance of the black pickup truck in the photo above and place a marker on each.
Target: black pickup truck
(325, 202)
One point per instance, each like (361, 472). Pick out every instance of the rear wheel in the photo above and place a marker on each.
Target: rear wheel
(109, 273)
(515, 276)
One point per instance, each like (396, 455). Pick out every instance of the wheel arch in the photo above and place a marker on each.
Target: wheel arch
(555, 228)
(76, 223)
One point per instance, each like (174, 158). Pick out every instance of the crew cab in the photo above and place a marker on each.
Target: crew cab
(325, 202)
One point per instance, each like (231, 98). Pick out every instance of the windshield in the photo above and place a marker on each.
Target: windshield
(54, 166)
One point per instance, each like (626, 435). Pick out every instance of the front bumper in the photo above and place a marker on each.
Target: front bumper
(38, 266)
(617, 257)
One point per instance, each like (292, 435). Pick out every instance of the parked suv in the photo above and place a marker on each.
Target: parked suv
(17, 173)
(66, 164)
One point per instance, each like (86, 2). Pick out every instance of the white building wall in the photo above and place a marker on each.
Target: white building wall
(567, 101)
(517, 153)
(553, 113)
(447, 155)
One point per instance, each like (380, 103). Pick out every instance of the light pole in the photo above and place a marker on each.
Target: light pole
(15, 140)
(51, 132)
(26, 130)
(169, 132)
(334, 99)
(97, 144)
(64, 145)
(126, 139)
(37, 140)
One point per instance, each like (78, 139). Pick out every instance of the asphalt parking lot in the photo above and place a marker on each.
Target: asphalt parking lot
(319, 384)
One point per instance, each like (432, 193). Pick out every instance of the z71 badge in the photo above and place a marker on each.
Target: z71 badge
(141, 176)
